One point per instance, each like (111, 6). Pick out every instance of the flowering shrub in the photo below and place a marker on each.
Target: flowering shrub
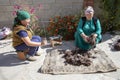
(64, 26)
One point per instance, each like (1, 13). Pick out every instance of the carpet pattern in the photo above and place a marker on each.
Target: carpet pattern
(54, 63)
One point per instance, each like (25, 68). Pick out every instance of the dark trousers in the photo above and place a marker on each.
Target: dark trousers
(32, 50)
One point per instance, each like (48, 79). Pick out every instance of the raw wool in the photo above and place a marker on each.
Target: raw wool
(54, 63)
(117, 45)
(92, 40)
(77, 57)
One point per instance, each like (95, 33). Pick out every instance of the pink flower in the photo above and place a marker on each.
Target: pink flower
(40, 6)
(17, 6)
(14, 13)
(37, 16)
(32, 10)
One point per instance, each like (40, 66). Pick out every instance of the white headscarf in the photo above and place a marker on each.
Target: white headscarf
(89, 9)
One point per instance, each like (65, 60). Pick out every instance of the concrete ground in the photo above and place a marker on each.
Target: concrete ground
(11, 68)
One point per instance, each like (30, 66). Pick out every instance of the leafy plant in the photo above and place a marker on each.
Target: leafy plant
(64, 26)
(110, 18)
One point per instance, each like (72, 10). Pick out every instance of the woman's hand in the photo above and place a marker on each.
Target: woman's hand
(94, 35)
(92, 39)
(85, 37)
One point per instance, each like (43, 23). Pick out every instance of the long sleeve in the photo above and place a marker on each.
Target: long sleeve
(88, 29)
(79, 28)
(98, 27)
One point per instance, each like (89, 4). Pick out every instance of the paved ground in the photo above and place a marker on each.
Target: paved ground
(11, 68)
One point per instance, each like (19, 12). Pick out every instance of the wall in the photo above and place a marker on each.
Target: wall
(47, 9)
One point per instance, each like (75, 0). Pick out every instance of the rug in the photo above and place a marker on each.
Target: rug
(54, 63)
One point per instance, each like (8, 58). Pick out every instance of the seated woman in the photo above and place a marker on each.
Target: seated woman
(23, 38)
(87, 27)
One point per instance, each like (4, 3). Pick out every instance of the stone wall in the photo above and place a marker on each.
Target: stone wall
(48, 8)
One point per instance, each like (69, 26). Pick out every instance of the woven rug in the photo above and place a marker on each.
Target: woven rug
(54, 63)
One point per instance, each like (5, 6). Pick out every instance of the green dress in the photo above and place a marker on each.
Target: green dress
(87, 29)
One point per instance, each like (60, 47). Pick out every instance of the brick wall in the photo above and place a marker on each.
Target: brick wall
(49, 8)
(88, 3)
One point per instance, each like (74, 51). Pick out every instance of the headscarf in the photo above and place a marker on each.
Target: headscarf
(89, 10)
(21, 15)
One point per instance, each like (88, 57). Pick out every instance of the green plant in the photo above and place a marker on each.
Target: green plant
(41, 32)
(110, 17)
(64, 26)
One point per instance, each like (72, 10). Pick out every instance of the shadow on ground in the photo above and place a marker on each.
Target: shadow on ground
(10, 59)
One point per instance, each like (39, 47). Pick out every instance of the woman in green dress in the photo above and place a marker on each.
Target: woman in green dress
(86, 29)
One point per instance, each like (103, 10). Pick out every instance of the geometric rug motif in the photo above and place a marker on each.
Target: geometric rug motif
(54, 63)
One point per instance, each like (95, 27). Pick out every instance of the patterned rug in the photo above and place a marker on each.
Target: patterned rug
(54, 63)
